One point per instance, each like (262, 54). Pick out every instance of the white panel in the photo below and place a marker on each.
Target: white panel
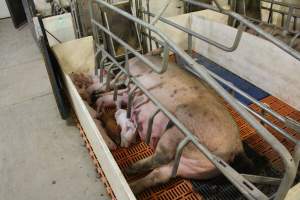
(65, 53)
(3, 9)
(111, 170)
(61, 26)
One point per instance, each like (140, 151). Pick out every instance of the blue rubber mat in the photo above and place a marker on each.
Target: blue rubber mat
(240, 83)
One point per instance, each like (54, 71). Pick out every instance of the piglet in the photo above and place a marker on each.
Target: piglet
(127, 126)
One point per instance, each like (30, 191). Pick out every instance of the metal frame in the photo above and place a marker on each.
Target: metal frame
(76, 19)
(289, 14)
(110, 43)
(244, 186)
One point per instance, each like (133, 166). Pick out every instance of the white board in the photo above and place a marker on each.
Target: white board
(65, 53)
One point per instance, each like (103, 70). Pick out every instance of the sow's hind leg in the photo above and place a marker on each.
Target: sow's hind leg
(161, 162)
(159, 175)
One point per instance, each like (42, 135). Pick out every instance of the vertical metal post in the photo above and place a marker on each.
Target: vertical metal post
(288, 20)
(130, 101)
(150, 123)
(190, 43)
(179, 150)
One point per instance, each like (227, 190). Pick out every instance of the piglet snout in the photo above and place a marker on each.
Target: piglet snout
(128, 128)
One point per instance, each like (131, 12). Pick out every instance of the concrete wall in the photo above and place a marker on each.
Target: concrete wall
(3, 9)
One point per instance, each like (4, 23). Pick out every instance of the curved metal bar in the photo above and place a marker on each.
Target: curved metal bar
(130, 101)
(234, 177)
(126, 61)
(294, 39)
(109, 75)
(249, 24)
(150, 123)
(97, 54)
(101, 65)
(234, 46)
(179, 150)
(116, 84)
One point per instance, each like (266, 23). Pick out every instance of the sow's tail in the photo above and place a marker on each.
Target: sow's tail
(245, 159)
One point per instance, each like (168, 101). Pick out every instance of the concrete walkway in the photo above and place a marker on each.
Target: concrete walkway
(41, 157)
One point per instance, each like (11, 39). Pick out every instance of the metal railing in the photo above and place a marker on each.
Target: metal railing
(290, 13)
(244, 186)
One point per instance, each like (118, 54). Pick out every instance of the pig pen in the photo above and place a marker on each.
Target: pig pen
(117, 160)
(113, 162)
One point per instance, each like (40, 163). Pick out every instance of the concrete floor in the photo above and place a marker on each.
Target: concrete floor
(41, 157)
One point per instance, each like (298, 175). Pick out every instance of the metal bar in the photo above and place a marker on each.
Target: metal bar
(190, 43)
(116, 84)
(249, 24)
(130, 101)
(126, 60)
(265, 121)
(288, 20)
(97, 64)
(150, 123)
(288, 122)
(59, 41)
(234, 46)
(262, 179)
(294, 39)
(109, 76)
(161, 12)
(101, 65)
(282, 3)
(270, 19)
(148, 10)
(179, 150)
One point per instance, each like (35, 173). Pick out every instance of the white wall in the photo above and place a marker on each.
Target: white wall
(3, 9)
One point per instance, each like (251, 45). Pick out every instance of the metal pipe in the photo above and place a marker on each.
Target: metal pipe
(178, 154)
(209, 41)
(97, 54)
(101, 65)
(249, 24)
(150, 123)
(109, 76)
(116, 84)
(130, 101)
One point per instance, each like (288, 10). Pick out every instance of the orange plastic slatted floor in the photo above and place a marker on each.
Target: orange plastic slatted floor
(182, 189)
